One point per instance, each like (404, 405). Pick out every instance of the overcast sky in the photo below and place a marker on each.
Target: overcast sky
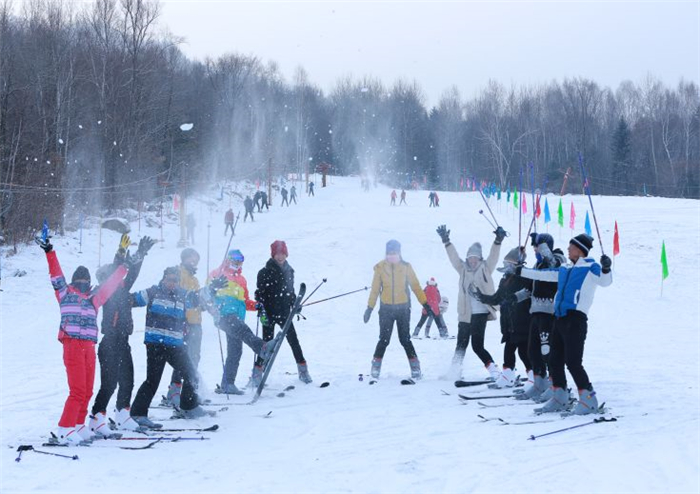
(440, 44)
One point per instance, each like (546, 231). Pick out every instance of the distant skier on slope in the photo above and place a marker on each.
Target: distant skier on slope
(248, 205)
(434, 298)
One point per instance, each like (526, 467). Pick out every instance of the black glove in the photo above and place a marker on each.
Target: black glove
(500, 235)
(533, 239)
(44, 244)
(130, 261)
(217, 284)
(429, 310)
(605, 263)
(368, 313)
(444, 234)
(145, 245)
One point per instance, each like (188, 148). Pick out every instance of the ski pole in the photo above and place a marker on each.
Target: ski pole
(539, 198)
(520, 209)
(534, 206)
(238, 217)
(28, 447)
(336, 296)
(481, 212)
(488, 207)
(223, 365)
(599, 420)
(587, 188)
(319, 286)
(229, 240)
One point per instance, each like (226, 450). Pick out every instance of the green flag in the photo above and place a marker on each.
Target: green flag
(664, 262)
(560, 213)
(515, 198)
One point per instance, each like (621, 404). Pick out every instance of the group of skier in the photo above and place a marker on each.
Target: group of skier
(173, 333)
(543, 313)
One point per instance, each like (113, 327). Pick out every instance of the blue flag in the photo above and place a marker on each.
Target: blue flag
(508, 195)
(547, 217)
(587, 226)
(498, 192)
(45, 231)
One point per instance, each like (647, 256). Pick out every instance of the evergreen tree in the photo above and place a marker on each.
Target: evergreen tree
(622, 157)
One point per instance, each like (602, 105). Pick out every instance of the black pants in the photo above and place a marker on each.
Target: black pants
(237, 333)
(248, 213)
(509, 354)
(475, 329)
(157, 356)
(193, 343)
(439, 321)
(116, 369)
(568, 338)
(293, 198)
(401, 314)
(228, 225)
(268, 332)
(539, 344)
(284, 200)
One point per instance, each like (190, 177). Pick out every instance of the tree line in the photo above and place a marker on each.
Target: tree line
(93, 102)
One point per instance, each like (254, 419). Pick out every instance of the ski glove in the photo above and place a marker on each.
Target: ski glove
(145, 245)
(131, 261)
(125, 242)
(368, 314)
(500, 235)
(429, 310)
(605, 263)
(444, 234)
(544, 250)
(44, 244)
(217, 284)
(262, 314)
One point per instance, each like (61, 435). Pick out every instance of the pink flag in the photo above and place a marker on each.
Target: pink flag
(572, 217)
(176, 202)
(522, 197)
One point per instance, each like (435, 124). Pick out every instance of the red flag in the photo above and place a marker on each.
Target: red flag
(538, 212)
(616, 241)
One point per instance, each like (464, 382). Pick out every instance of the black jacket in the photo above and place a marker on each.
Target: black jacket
(515, 316)
(116, 312)
(275, 290)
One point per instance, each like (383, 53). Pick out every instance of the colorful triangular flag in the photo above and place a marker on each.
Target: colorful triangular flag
(587, 226)
(664, 262)
(572, 216)
(616, 241)
(560, 214)
(547, 218)
(524, 203)
(515, 198)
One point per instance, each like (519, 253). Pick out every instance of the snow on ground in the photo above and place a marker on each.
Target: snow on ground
(642, 356)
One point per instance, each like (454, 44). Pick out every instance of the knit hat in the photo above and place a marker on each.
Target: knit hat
(278, 247)
(545, 238)
(235, 255)
(584, 242)
(474, 251)
(81, 273)
(432, 282)
(393, 246)
(171, 271)
(187, 253)
(515, 256)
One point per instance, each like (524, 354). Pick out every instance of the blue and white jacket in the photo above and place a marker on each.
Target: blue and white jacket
(166, 313)
(576, 284)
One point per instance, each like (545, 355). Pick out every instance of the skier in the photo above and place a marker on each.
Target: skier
(392, 276)
(542, 317)
(275, 292)
(393, 198)
(166, 305)
(576, 284)
(436, 199)
(513, 297)
(256, 199)
(191, 224)
(114, 352)
(284, 197)
(263, 200)
(293, 194)
(232, 303)
(189, 259)
(311, 189)
(248, 205)
(403, 198)
(433, 295)
(431, 196)
(473, 315)
(78, 334)
(228, 219)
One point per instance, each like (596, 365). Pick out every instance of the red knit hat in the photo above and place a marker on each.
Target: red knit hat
(278, 247)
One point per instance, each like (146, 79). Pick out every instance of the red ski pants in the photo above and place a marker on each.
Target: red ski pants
(79, 359)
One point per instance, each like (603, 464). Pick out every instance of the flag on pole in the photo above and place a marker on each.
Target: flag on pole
(616, 242)
(560, 214)
(498, 193)
(587, 226)
(572, 216)
(515, 198)
(547, 217)
(664, 262)
(538, 211)
(524, 204)
(508, 195)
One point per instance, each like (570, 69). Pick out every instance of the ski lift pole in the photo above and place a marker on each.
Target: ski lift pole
(80, 248)
(335, 296)
(587, 188)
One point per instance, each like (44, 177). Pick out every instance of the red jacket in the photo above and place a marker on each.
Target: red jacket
(228, 218)
(433, 295)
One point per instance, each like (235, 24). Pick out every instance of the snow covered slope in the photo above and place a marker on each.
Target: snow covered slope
(641, 354)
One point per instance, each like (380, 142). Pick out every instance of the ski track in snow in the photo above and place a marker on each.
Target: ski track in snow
(641, 355)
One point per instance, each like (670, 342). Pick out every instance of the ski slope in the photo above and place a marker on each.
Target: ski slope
(641, 354)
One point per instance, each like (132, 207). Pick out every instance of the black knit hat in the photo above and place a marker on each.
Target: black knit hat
(583, 242)
(81, 273)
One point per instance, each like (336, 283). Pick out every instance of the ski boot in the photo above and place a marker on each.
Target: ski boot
(67, 436)
(172, 399)
(192, 414)
(506, 379)
(376, 367)
(228, 389)
(256, 377)
(85, 433)
(558, 403)
(146, 423)
(539, 387)
(587, 402)
(123, 420)
(304, 375)
(494, 372)
(98, 424)
(415, 368)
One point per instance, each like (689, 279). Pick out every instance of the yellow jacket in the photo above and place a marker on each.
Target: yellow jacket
(392, 281)
(189, 282)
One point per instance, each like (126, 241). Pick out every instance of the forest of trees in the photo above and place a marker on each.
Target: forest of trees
(93, 100)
